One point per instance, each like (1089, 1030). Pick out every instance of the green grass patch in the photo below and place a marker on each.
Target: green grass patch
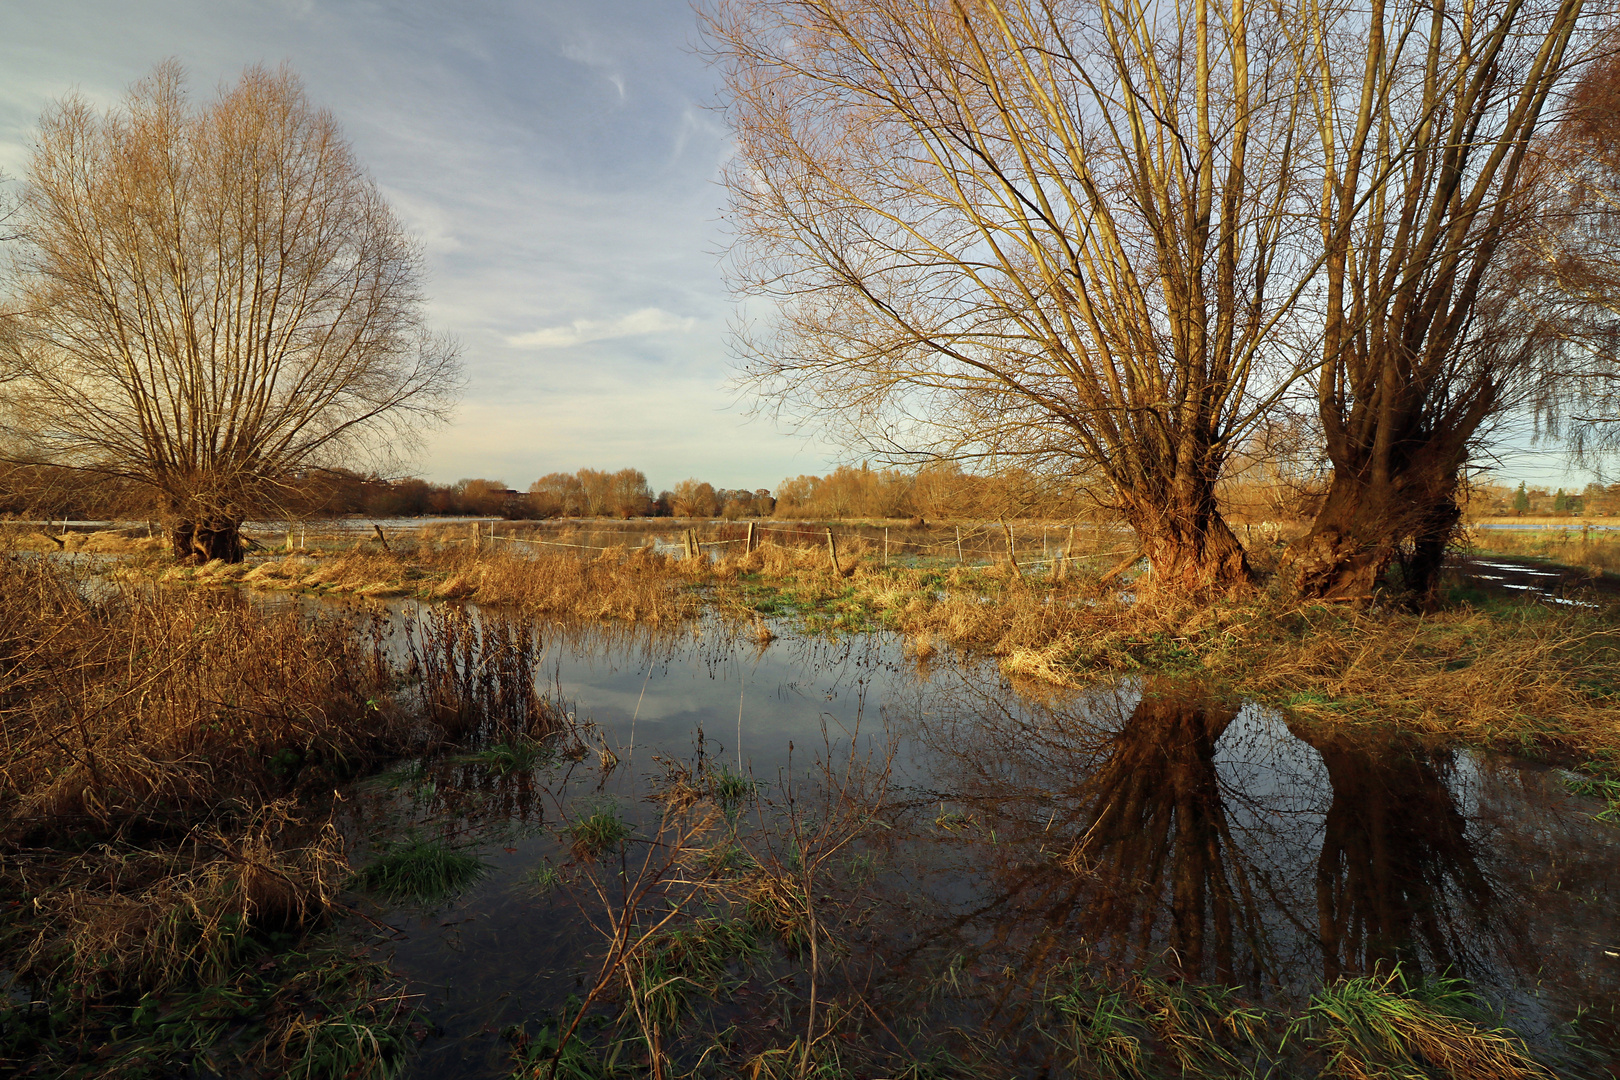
(1606, 788)
(598, 834)
(519, 755)
(421, 870)
(731, 789)
(678, 967)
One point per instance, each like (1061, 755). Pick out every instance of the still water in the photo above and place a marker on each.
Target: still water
(1012, 833)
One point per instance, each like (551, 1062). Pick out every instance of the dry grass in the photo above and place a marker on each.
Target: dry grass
(1597, 551)
(16, 537)
(133, 704)
(633, 584)
(1527, 678)
(164, 757)
(123, 918)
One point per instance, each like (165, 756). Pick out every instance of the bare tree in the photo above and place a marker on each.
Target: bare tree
(1071, 234)
(1423, 112)
(210, 299)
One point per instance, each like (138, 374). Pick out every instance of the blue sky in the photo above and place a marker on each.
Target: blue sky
(556, 160)
(558, 163)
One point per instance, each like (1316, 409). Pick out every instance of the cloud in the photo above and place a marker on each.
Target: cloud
(646, 321)
(581, 53)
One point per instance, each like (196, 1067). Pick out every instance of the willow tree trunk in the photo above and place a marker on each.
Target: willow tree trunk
(1188, 545)
(1423, 334)
(207, 541)
(1374, 517)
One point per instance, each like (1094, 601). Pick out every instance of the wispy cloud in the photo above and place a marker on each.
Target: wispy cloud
(582, 53)
(646, 321)
(554, 162)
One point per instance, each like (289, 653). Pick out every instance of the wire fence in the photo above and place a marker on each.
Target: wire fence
(969, 544)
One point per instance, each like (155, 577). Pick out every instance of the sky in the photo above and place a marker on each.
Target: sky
(558, 162)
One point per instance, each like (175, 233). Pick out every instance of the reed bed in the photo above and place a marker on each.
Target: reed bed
(167, 763)
(128, 707)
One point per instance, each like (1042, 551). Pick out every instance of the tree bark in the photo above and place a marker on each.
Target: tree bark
(1189, 546)
(1374, 519)
(202, 542)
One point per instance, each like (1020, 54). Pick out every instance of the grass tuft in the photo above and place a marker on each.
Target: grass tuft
(519, 755)
(1378, 1025)
(598, 834)
(421, 870)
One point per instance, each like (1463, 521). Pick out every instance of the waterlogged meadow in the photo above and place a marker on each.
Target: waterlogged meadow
(258, 834)
(823, 857)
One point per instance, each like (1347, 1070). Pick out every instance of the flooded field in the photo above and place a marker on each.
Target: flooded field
(917, 855)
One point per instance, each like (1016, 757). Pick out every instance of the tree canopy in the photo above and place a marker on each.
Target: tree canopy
(206, 300)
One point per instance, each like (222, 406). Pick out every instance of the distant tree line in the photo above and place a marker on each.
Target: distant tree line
(1261, 490)
(1500, 500)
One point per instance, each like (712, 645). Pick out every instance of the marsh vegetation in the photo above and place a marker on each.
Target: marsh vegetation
(973, 820)
(1180, 790)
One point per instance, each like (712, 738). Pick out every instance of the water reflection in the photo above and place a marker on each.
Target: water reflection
(1149, 826)
(1154, 826)
(1398, 878)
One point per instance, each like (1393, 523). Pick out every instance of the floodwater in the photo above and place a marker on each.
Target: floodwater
(1011, 834)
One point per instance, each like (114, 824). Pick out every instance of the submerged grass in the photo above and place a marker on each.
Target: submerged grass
(423, 870)
(518, 755)
(599, 833)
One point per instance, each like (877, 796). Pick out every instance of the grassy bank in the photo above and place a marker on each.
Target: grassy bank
(1517, 676)
(167, 856)
(1596, 551)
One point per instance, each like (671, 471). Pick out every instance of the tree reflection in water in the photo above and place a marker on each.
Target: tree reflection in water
(1155, 827)
(1397, 878)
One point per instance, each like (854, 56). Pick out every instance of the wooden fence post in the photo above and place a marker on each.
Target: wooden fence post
(748, 542)
(885, 546)
(381, 538)
(1068, 553)
(1012, 551)
(832, 552)
(477, 535)
(961, 560)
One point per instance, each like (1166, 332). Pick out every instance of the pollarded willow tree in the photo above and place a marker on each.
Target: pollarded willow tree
(207, 300)
(1070, 234)
(1423, 113)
